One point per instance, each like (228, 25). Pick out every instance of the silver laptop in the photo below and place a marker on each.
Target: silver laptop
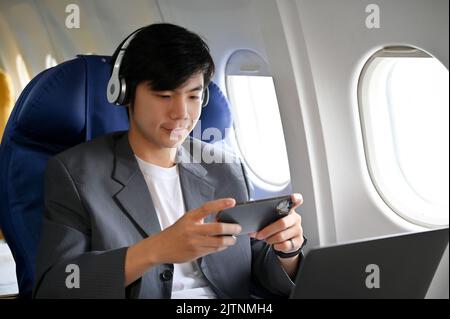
(400, 266)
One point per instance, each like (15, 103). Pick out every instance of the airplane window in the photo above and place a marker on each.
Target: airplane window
(6, 100)
(24, 76)
(257, 122)
(50, 61)
(404, 105)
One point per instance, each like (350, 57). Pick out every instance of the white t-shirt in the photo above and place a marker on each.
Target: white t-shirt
(165, 189)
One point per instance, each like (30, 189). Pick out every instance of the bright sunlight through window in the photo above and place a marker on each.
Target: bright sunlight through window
(50, 61)
(404, 102)
(259, 132)
(22, 71)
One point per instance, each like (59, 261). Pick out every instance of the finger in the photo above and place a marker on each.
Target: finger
(203, 251)
(212, 207)
(212, 229)
(286, 246)
(218, 241)
(277, 226)
(297, 200)
(252, 234)
(284, 235)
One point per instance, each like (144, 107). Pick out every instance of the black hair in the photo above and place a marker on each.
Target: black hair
(165, 55)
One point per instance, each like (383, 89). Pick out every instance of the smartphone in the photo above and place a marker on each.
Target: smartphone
(255, 215)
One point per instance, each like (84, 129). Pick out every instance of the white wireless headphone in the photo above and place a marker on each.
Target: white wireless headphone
(117, 86)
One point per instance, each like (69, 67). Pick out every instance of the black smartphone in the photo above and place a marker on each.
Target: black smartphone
(255, 215)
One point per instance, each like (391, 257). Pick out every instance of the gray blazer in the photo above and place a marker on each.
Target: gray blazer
(97, 204)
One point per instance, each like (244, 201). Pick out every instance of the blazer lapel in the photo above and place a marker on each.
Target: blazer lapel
(196, 190)
(134, 197)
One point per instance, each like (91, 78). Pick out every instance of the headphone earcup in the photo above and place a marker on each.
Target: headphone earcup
(205, 98)
(113, 90)
(122, 98)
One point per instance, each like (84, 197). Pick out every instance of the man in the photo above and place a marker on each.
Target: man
(129, 215)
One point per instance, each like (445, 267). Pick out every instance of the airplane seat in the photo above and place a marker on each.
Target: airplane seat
(216, 114)
(60, 108)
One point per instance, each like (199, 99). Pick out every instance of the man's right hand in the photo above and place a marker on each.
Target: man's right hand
(190, 238)
(186, 240)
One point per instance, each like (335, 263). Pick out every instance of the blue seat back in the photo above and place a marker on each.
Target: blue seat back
(61, 107)
(216, 115)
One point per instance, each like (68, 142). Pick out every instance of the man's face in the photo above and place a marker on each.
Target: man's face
(165, 118)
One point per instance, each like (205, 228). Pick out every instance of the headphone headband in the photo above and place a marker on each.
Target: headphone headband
(117, 90)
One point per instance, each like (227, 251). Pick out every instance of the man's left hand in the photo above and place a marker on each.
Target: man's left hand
(286, 234)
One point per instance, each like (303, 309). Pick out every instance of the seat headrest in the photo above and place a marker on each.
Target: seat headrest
(67, 104)
(216, 114)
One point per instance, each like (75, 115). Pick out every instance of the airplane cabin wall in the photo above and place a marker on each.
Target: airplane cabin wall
(338, 45)
(316, 51)
(36, 31)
